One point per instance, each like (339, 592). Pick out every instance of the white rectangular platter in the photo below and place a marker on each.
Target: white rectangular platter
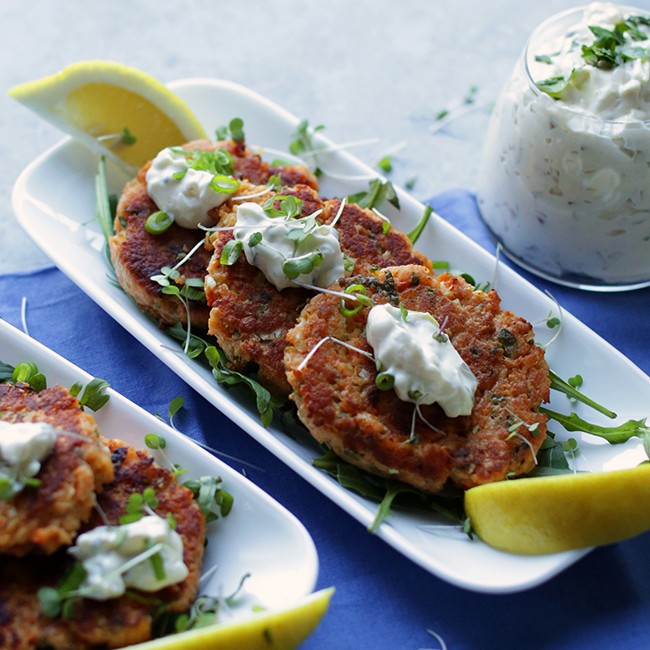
(54, 196)
(258, 536)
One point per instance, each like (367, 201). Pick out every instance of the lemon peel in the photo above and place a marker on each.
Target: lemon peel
(103, 104)
(278, 630)
(536, 516)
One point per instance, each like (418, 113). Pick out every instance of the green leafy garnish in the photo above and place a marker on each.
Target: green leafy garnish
(196, 344)
(570, 389)
(27, 372)
(290, 206)
(304, 264)
(94, 396)
(385, 164)
(127, 138)
(613, 435)
(158, 222)
(543, 58)
(389, 492)
(554, 86)
(414, 235)
(104, 211)
(227, 377)
(410, 183)
(207, 492)
(376, 194)
(60, 600)
(231, 252)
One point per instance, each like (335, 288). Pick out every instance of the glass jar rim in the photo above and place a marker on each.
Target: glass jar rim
(537, 90)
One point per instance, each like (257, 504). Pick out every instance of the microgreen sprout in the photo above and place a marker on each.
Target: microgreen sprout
(158, 443)
(207, 492)
(23, 314)
(571, 447)
(313, 351)
(27, 372)
(125, 138)
(385, 226)
(410, 183)
(376, 194)
(437, 637)
(545, 346)
(104, 212)
(290, 206)
(339, 212)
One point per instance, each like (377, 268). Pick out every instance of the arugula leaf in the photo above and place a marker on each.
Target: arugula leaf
(557, 383)
(613, 435)
(383, 511)
(414, 235)
(179, 333)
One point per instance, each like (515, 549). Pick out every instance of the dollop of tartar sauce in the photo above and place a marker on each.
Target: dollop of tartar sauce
(187, 199)
(564, 182)
(410, 351)
(104, 550)
(275, 248)
(23, 446)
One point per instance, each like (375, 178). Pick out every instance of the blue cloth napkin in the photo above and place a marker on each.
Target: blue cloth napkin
(383, 601)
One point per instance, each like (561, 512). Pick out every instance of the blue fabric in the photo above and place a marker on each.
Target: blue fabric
(383, 601)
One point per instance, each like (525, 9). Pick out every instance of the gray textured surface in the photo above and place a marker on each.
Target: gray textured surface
(364, 69)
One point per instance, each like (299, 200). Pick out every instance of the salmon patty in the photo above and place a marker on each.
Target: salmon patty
(46, 517)
(117, 622)
(137, 254)
(250, 317)
(339, 402)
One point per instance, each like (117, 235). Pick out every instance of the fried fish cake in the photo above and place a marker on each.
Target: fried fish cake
(120, 621)
(46, 517)
(251, 318)
(339, 402)
(137, 254)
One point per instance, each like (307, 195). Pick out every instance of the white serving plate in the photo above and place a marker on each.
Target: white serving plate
(258, 536)
(54, 196)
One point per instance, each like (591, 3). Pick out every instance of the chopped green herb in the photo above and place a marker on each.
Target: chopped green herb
(385, 164)
(127, 138)
(158, 222)
(384, 381)
(543, 58)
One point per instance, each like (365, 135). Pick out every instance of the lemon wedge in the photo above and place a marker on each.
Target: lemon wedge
(280, 630)
(535, 516)
(116, 110)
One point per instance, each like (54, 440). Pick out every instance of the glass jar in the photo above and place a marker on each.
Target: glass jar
(565, 193)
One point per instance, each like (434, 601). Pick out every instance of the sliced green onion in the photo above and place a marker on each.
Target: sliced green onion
(384, 381)
(158, 223)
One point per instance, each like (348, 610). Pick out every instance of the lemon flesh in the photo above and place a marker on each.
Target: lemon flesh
(536, 516)
(94, 101)
(281, 630)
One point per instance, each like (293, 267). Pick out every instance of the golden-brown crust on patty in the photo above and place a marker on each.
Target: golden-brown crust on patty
(137, 255)
(46, 517)
(102, 624)
(340, 404)
(251, 318)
